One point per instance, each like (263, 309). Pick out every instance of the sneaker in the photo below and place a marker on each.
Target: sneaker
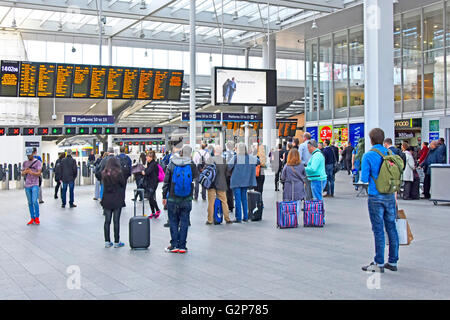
(216, 223)
(36, 221)
(208, 223)
(230, 222)
(237, 221)
(373, 267)
(245, 220)
(63, 206)
(119, 245)
(390, 267)
(183, 250)
(150, 216)
(31, 222)
(166, 225)
(41, 201)
(73, 205)
(94, 198)
(56, 197)
(108, 244)
(171, 249)
(157, 214)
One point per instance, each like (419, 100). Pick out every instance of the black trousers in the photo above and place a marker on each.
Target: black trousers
(407, 190)
(427, 186)
(230, 195)
(260, 183)
(115, 216)
(152, 200)
(58, 185)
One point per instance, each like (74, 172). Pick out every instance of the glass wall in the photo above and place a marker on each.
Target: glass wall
(421, 66)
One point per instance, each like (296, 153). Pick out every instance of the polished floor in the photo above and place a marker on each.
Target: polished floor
(65, 258)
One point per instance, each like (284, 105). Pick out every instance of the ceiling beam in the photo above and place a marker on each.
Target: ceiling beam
(315, 5)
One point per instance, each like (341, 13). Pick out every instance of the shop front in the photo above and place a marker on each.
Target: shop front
(409, 130)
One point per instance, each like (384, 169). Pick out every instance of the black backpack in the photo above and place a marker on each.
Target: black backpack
(125, 165)
(58, 172)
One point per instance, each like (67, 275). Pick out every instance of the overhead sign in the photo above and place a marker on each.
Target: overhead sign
(251, 117)
(89, 120)
(32, 144)
(202, 116)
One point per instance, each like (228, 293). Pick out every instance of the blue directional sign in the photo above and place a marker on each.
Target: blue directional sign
(239, 117)
(202, 116)
(89, 120)
(314, 131)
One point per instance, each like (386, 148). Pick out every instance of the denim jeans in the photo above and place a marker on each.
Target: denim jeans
(115, 216)
(329, 168)
(240, 198)
(382, 214)
(97, 189)
(179, 222)
(197, 189)
(33, 204)
(317, 189)
(71, 185)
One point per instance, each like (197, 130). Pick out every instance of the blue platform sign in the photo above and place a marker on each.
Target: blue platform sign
(202, 116)
(433, 136)
(356, 133)
(314, 131)
(239, 117)
(89, 120)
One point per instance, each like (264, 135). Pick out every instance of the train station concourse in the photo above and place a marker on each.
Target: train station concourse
(218, 150)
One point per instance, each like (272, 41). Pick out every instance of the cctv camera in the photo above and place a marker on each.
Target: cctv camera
(54, 117)
(74, 49)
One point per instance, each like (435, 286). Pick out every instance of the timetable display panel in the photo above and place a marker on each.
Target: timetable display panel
(46, 80)
(130, 83)
(146, 80)
(160, 86)
(98, 82)
(81, 81)
(64, 80)
(175, 84)
(28, 75)
(10, 71)
(115, 82)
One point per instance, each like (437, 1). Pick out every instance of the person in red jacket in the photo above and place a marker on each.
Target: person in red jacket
(423, 152)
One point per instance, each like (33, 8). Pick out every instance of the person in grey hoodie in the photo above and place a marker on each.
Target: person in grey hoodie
(179, 206)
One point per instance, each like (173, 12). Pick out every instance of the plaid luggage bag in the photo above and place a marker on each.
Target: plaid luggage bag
(287, 212)
(314, 214)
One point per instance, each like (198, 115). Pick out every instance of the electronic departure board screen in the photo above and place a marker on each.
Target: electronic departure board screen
(160, 86)
(9, 78)
(64, 80)
(28, 74)
(175, 85)
(130, 83)
(46, 80)
(114, 84)
(81, 81)
(145, 88)
(98, 82)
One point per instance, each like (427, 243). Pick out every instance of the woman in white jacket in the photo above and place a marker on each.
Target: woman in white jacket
(408, 173)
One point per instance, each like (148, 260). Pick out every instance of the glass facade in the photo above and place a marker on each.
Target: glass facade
(335, 66)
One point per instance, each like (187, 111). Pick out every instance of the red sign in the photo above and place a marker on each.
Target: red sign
(326, 133)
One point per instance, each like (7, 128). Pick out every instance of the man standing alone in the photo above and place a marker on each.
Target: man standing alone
(315, 171)
(32, 171)
(69, 173)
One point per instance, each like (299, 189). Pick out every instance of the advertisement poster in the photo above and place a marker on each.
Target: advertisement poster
(325, 133)
(313, 131)
(241, 87)
(340, 135)
(356, 132)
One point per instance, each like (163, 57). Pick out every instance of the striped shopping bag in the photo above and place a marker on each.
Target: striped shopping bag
(313, 213)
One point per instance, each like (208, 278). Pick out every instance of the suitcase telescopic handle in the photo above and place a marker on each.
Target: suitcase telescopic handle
(136, 193)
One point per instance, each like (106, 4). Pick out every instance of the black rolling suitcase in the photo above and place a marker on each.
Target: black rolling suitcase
(139, 227)
(415, 189)
(255, 205)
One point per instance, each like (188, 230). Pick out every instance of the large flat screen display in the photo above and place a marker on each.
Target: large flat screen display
(248, 87)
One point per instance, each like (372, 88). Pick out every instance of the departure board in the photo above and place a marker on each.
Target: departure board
(46, 80)
(146, 79)
(160, 86)
(81, 80)
(130, 83)
(28, 73)
(9, 78)
(98, 82)
(64, 79)
(114, 84)
(175, 85)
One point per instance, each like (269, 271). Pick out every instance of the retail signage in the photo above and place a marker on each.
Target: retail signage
(251, 117)
(325, 133)
(202, 116)
(313, 131)
(434, 125)
(340, 133)
(404, 135)
(89, 120)
(433, 136)
(356, 133)
(408, 123)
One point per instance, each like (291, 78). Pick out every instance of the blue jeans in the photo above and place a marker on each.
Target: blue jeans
(240, 200)
(71, 185)
(179, 222)
(101, 190)
(382, 214)
(317, 189)
(33, 204)
(329, 168)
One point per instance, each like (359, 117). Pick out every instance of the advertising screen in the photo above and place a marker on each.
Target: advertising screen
(244, 87)
(9, 78)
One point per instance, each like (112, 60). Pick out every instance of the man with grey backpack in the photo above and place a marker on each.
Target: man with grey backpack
(383, 171)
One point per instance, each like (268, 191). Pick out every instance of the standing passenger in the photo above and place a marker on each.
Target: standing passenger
(294, 178)
(32, 169)
(315, 170)
(151, 183)
(69, 172)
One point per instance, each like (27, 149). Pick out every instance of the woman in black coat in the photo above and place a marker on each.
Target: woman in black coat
(114, 184)
(151, 183)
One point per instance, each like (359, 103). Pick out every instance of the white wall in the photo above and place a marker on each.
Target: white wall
(51, 148)
(13, 148)
(444, 122)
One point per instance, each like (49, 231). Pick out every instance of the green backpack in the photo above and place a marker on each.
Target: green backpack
(390, 175)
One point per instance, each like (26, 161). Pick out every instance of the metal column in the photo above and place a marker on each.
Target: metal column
(192, 85)
(246, 108)
(269, 113)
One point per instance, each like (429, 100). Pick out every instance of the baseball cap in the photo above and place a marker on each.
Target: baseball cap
(29, 151)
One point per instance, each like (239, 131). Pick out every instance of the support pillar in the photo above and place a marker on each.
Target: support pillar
(192, 82)
(247, 109)
(269, 50)
(379, 63)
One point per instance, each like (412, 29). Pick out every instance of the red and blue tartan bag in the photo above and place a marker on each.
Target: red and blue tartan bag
(314, 213)
(287, 212)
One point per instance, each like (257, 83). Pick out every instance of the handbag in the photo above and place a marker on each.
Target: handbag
(137, 168)
(405, 236)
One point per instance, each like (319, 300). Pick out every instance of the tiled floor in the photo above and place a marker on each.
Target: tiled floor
(246, 261)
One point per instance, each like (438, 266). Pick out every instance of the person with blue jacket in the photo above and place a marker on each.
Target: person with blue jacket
(433, 157)
(315, 171)
(243, 168)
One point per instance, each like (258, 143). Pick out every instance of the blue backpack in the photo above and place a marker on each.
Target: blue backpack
(182, 180)
(208, 176)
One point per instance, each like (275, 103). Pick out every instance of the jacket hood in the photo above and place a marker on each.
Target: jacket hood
(181, 161)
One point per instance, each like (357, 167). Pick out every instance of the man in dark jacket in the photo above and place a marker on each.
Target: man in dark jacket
(347, 157)
(432, 158)
(179, 206)
(69, 172)
(330, 163)
(125, 162)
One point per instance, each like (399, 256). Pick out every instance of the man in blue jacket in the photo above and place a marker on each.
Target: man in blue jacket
(434, 156)
(382, 211)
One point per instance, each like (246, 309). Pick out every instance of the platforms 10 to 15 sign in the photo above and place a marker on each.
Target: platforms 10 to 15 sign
(68, 130)
(48, 80)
